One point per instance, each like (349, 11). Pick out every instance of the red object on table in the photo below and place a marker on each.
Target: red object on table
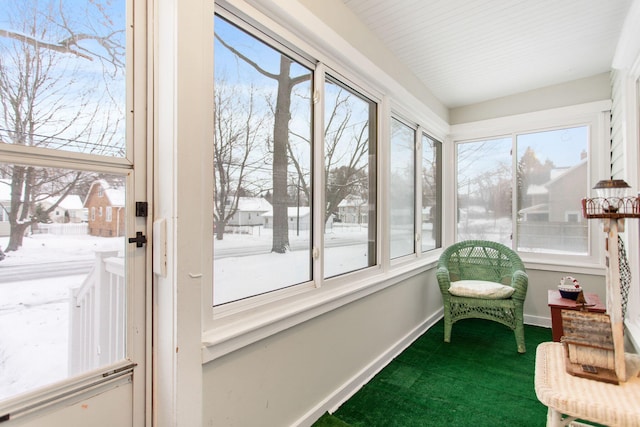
(557, 303)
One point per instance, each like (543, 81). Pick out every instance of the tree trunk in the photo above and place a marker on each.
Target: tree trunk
(220, 226)
(280, 159)
(16, 235)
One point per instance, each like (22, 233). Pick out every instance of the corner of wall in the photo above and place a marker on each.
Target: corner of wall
(580, 91)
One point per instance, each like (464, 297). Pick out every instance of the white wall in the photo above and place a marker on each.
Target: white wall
(536, 309)
(582, 91)
(292, 377)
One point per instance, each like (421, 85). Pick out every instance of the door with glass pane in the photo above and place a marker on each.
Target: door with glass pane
(72, 282)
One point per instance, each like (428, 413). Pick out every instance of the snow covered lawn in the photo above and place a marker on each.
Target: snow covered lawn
(34, 314)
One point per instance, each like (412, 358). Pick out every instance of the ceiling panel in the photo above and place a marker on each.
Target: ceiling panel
(468, 51)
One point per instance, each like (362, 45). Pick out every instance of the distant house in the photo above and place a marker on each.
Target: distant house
(71, 209)
(353, 210)
(5, 206)
(249, 211)
(298, 218)
(548, 202)
(105, 207)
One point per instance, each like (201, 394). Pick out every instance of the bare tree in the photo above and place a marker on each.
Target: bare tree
(49, 97)
(346, 149)
(238, 142)
(282, 116)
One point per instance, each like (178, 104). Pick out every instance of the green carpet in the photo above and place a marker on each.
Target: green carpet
(478, 379)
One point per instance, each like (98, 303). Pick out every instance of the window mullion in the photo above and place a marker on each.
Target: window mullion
(319, 178)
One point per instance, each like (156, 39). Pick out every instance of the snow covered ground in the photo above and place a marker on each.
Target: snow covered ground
(34, 314)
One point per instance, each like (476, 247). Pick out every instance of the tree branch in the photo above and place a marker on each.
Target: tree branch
(62, 48)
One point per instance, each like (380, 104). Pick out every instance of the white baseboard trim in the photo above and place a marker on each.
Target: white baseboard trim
(544, 322)
(332, 402)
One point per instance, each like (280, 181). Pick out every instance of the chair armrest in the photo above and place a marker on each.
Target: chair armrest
(444, 281)
(519, 281)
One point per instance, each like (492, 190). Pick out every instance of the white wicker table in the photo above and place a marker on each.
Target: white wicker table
(569, 397)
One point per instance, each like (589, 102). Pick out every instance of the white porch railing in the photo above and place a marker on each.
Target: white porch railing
(97, 328)
(69, 229)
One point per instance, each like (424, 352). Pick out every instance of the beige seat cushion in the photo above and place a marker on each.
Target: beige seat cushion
(480, 289)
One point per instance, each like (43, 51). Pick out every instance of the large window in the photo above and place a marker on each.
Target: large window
(295, 167)
(550, 176)
(263, 152)
(484, 177)
(402, 192)
(349, 168)
(552, 180)
(262, 166)
(431, 176)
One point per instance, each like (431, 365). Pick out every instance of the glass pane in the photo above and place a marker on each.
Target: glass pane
(349, 154)
(62, 75)
(402, 195)
(431, 194)
(262, 167)
(484, 190)
(62, 280)
(552, 180)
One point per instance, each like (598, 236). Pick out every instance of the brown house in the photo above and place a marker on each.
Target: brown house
(105, 206)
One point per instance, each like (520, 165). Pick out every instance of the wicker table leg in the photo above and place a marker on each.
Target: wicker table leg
(556, 419)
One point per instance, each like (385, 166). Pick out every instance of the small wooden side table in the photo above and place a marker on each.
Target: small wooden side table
(568, 397)
(557, 303)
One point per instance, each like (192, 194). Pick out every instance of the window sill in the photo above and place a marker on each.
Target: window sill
(249, 326)
(575, 267)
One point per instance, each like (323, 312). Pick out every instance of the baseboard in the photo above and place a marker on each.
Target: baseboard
(544, 322)
(332, 402)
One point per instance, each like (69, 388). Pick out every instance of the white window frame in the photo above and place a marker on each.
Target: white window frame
(419, 163)
(417, 185)
(233, 326)
(595, 115)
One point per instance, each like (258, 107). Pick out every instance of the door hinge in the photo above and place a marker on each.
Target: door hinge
(142, 209)
(139, 240)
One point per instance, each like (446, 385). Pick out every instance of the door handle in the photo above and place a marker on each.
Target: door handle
(139, 240)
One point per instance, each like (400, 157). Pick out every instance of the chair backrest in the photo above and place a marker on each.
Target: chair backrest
(480, 260)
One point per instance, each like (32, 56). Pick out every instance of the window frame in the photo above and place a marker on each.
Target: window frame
(594, 115)
(422, 133)
(320, 72)
(232, 326)
(417, 187)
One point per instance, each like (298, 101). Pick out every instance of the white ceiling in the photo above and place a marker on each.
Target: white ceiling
(469, 51)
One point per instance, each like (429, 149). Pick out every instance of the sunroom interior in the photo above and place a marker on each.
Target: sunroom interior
(449, 93)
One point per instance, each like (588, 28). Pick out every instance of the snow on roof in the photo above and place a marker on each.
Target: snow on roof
(70, 202)
(351, 201)
(115, 195)
(540, 208)
(253, 204)
(292, 212)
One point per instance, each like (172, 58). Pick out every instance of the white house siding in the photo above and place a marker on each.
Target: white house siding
(625, 129)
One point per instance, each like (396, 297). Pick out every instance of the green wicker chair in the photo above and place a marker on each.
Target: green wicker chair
(480, 260)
